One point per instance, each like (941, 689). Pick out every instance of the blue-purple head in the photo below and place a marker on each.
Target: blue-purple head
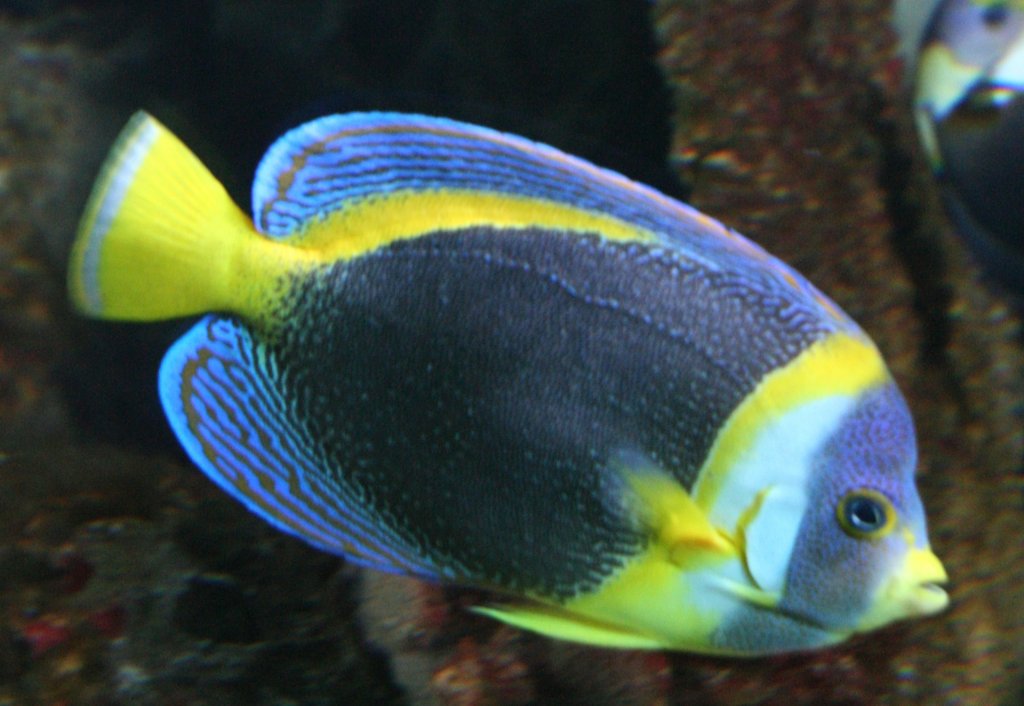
(843, 548)
(862, 557)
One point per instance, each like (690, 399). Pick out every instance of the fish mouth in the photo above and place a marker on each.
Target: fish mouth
(913, 590)
(928, 598)
(928, 576)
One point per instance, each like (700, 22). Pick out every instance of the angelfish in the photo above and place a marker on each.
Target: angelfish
(966, 60)
(457, 354)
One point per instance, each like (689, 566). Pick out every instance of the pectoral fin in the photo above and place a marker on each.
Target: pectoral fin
(675, 520)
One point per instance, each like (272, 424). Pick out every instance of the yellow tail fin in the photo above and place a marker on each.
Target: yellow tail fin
(160, 236)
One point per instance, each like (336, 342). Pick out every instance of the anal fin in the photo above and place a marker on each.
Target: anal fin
(565, 625)
(222, 393)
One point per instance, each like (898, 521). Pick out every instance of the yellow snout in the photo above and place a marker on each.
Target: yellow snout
(914, 589)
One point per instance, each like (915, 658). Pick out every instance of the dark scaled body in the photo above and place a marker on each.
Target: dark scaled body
(453, 353)
(502, 372)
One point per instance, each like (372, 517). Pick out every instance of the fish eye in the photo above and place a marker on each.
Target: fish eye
(995, 15)
(866, 514)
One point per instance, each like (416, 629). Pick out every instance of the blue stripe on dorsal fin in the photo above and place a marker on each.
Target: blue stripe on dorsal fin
(330, 163)
(221, 390)
(336, 162)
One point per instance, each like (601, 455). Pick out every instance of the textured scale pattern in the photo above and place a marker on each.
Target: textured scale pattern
(221, 389)
(460, 355)
(869, 451)
(417, 387)
(338, 161)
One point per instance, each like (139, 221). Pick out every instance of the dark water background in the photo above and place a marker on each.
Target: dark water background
(126, 578)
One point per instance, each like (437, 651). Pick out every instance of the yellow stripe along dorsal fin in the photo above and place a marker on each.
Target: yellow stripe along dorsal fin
(161, 238)
(337, 162)
(344, 185)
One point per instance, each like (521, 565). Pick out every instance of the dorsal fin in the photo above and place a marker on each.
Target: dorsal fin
(338, 162)
(330, 163)
(220, 389)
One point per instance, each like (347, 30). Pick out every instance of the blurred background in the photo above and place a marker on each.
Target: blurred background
(127, 578)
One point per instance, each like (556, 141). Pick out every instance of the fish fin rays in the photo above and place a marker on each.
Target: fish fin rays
(329, 163)
(158, 234)
(566, 625)
(660, 503)
(333, 180)
(221, 391)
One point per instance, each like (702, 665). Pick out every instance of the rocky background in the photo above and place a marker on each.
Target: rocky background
(126, 578)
